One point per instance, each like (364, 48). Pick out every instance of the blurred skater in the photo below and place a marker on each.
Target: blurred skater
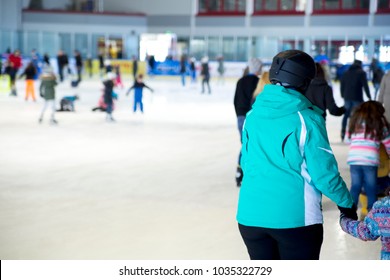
(183, 69)
(67, 103)
(62, 61)
(109, 84)
(205, 73)
(79, 65)
(135, 67)
(377, 74)
(352, 83)
(118, 79)
(30, 72)
(102, 106)
(221, 70)
(15, 62)
(101, 63)
(47, 91)
(138, 93)
(193, 69)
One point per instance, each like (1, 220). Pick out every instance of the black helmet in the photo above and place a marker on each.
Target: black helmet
(292, 68)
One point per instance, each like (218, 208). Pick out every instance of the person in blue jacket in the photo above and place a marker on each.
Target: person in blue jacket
(288, 164)
(67, 103)
(138, 87)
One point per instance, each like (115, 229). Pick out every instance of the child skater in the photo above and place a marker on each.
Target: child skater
(108, 96)
(376, 224)
(118, 80)
(30, 72)
(367, 129)
(47, 91)
(138, 89)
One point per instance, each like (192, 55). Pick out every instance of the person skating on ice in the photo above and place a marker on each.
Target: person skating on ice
(47, 91)
(109, 84)
(30, 72)
(288, 165)
(368, 128)
(138, 87)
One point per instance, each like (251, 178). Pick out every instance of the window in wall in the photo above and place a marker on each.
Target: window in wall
(98, 45)
(341, 6)
(32, 42)
(222, 7)
(65, 43)
(114, 47)
(214, 48)
(81, 44)
(383, 6)
(352, 50)
(228, 48)
(198, 47)
(290, 45)
(49, 46)
(279, 6)
(242, 49)
(5, 40)
(182, 46)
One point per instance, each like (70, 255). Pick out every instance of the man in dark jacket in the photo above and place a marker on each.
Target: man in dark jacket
(62, 60)
(243, 101)
(79, 64)
(352, 84)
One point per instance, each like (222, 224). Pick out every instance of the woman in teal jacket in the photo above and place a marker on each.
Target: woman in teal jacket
(288, 164)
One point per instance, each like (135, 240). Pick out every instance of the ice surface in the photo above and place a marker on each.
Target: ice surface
(158, 185)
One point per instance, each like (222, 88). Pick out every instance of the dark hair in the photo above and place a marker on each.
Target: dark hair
(358, 62)
(320, 71)
(369, 116)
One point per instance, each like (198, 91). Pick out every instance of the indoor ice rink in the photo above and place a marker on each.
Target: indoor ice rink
(158, 185)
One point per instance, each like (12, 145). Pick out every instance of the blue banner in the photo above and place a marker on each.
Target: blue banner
(167, 67)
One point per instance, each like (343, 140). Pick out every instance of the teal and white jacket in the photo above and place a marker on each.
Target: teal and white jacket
(287, 163)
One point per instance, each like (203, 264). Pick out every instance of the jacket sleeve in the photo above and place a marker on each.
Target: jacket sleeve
(369, 228)
(322, 165)
(386, 143)
(358, 229)
(331, 104)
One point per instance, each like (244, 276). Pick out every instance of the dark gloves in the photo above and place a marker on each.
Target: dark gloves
(348, 212)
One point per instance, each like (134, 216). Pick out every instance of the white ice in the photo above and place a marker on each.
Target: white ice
(158, 185)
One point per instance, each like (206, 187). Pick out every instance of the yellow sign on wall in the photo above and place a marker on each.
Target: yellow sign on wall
(5, 84)
(125, 66)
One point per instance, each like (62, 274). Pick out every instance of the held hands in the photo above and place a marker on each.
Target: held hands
(348, 212)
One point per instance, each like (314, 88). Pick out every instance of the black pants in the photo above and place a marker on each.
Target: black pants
(303, 243)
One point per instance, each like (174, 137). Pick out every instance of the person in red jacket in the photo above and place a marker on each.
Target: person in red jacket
(15, 61)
